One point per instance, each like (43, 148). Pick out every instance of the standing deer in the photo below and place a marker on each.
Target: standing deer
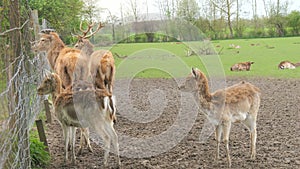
(94, 108)
(101, 62)
(65, 61)
(237, 103)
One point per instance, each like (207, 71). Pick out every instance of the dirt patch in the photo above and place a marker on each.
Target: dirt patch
(278, 129)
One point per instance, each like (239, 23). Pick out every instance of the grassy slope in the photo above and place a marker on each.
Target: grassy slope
(266, 53)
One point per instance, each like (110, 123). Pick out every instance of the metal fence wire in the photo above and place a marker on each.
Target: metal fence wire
(19, 104)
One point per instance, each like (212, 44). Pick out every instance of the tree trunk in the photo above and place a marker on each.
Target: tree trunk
(229, 19)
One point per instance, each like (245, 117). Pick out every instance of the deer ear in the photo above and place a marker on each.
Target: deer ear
(194, 72)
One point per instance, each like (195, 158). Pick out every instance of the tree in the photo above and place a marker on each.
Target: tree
(135, 11)
(63, 15)
(112, 19)
(277, 18)
(167, 8)
(226, 6)
(294, 21)
(188, 10)
(91, 12)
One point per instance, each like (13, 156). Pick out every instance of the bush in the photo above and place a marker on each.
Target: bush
(40, 158)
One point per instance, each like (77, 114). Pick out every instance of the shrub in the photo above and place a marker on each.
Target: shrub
(40, 158)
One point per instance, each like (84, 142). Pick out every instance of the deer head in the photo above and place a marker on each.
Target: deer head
(82, 39)
(48, 85)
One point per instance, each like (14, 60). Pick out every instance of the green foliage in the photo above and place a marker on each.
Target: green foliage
(40, 158)
(63, 15)
(294, 21)
(188, 10)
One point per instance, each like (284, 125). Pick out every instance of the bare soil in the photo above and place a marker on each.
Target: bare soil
(278, 127)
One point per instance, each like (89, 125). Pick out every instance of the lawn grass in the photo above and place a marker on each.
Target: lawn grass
(154, 60)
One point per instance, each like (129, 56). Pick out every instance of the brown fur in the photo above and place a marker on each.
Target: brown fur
(237, 103)
(101, 64)
(87, 104)
(66, 62)
(85, 46)
(241, 66)
(288, 65)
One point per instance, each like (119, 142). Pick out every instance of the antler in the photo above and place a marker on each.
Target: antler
(98, 28)
(47, 31)
(85, 32)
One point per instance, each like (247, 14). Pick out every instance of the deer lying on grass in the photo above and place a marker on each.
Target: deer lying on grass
(94, 107)
(288, 65)
(101, 62)
(237, 103)
(241, 66)
(65, 61)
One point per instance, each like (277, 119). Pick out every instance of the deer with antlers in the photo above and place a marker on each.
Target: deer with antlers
(67, 63)
(101, 62)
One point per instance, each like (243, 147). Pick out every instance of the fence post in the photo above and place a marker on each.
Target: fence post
(41, 131)
(48, 112)
(35, 23)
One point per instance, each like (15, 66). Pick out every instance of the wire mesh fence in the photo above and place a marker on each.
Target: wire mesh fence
(21, 70)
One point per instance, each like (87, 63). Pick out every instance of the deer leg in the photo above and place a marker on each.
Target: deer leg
(72, 135)
(114, 139)
(100, 130)
(253, 142)
(250, 123)
(66, 134)
(81, 142)
(87, 140)
(226, 131)
(111, 78)
(218, 133)
(107, 141)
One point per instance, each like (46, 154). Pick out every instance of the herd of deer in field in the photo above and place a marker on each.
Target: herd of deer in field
(245, 66)
(82, 93)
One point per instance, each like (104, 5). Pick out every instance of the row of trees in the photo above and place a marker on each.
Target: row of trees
(217, 19)
(234, 18)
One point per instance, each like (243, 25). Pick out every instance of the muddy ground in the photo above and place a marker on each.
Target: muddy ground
(278, 127)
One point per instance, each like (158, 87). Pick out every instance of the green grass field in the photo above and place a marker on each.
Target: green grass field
(152, 60)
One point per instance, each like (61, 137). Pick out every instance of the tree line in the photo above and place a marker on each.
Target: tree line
(217, 19)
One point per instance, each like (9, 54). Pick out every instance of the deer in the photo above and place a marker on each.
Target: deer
(237, 103)
(65, 61)
(288, 65)
(101, 62)
(76, 108)
(241, 66)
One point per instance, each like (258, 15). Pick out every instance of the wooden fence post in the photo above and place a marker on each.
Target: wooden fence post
(41, 131)
(48, 112)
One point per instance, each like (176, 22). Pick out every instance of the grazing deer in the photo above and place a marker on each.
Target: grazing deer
(237, 103)
(288, 65)
(101, 62)
(94, 107)
(65, 61)
(241, 66)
